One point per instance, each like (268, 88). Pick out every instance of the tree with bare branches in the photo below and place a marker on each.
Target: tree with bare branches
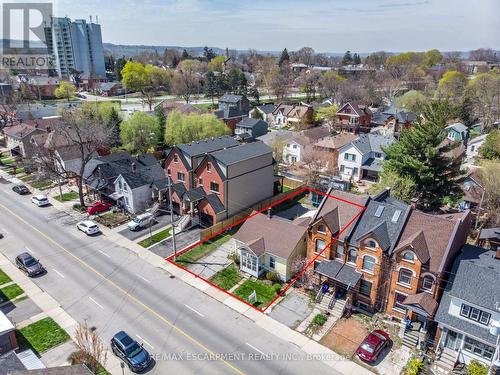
(91, 351)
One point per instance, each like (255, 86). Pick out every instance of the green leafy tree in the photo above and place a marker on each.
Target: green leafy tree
(484, 93)
(412, 101)
(186, 81)
(119, 65)
(214, 85)
(432, 57)
(419, 158)
(182, 128)
(135, 77)
(236, 82)
(66, 90)
(452, 84)
(489, 174)
(331, 83)
(402, 187)
(140, 133)
(217, 64)
(476, 368)
(491, 147)
(327, 114)
(284, 57)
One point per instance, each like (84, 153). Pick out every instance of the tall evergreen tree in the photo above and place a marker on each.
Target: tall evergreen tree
(285, 57)
(356, 59)
(419, 159)
(347, 59)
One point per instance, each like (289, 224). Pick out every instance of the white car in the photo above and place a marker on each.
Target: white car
(40, 200)
(88, 227)
(141, 221)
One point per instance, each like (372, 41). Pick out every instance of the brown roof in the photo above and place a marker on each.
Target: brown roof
(275, 235)
(360, 108)
(423, 300)
(181, 107)
(294, 110)
(336, 141)
(338, 212)
(435, 231)
(452, 149)
(23, 129)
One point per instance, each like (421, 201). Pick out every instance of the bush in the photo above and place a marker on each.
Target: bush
(277, 288)
(235, 257)
(413, 367)
(319, 319)
(273, 276)
(476, 368)
(78, 207)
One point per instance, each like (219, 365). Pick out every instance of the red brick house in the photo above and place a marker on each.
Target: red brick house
(393, 258)
(354, 117)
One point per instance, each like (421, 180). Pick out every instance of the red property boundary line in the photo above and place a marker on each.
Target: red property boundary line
(291, 282)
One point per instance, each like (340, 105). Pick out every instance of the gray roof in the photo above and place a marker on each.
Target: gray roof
(229, 113)
(474, 279)
(250, 123)
(400, 115)
(144, 176)
(230, 98)
(372, 142)
(267, 108)
(490, 233)
(373, 164)
(339, 272)
(458, 126)
(242, 152)
(194, 195)
(205, 146)
(382, 228)
(215, 202)
(278, 135)
(9, 362)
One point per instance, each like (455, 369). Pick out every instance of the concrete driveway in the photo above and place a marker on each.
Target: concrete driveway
(293, 309)
(214, 262)
(182, 240)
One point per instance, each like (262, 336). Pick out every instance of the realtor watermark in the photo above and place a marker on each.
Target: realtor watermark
(244, 356)
(25, 27)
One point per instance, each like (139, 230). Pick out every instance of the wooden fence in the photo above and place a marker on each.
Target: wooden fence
(209, 232)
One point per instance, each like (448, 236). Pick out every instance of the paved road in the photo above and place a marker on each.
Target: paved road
(109, 286)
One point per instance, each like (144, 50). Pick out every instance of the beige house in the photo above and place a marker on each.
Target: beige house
(268, 243)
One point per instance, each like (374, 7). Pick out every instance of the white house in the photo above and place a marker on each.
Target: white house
(469, 312)
(133, 190)
(363, 157)
(473, 147)
(297, 146)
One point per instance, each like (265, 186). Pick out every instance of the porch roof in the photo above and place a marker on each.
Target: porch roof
(340, 272)
(372, 164)
(421, 301)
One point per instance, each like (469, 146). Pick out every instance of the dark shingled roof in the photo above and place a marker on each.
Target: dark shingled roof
(194, 194)
(249, 123)
(474, 279)
(339, 271)
(489, 233)
(215, 202)
(228, 113)
(422, 300)
(143, 176)
(9, 362)
(372, 142)
(208, 145)
(242, 152)
(267, 108)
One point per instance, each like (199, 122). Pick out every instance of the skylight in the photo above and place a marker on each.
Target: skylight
(379, 211)
(396, 215)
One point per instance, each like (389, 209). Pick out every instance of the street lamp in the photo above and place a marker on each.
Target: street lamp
(169, 188)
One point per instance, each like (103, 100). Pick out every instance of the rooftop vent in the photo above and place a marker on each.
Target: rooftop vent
(396, 216)
(379, 211)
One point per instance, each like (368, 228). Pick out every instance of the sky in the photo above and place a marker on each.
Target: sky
(325, 25)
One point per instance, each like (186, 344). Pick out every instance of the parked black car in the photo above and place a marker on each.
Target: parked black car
(130, 351)
(29, 265)
(21, 189)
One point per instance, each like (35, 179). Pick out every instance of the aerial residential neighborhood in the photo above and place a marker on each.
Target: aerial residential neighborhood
(191, 187)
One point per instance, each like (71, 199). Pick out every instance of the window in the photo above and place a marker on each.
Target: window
(200, 181)
(354, 171)
(120, 184)
(249, 261)
(294, 146)
(365, 288)
(371, 243)
(475, 314)
(353, 255)
(398, 301)
(169, 173)
(353, 120)
(272, 263)
(368, 263)
(126, 201)
(479, 348)
(472, 148)
(409, 256)
(378, 155)
(176, 159)
(320, 245)
(209, 167)
(340, 251)
(349, 157)
(125, 187)
(180, 176)
(342, 167)
(294, 159)
(405, 276)
(321, 228)
(427, 283)
(214, 187)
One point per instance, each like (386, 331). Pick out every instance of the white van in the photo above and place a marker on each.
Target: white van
(141, 221)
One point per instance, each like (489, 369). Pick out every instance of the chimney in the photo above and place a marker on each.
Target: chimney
(269, 213)
(134, 167)
(413, 203)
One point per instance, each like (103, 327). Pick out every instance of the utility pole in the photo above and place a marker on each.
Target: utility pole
(172, 217)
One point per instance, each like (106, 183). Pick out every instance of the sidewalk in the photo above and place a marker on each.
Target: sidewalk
(309, 346)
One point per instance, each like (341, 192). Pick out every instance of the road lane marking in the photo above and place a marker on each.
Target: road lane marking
(195, 311)
(103, 253)
(145, 342)
(254, 348)
(140, 277)
(97, 303)
(59, 273)
(132, 297)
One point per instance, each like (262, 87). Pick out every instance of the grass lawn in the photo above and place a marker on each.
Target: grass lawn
(286, 188)
(7, 161)
(71, 196)
(203, 249)
(42, 335)
(42, 185)
(265, 292)
(17, 171)
(112, 219)
(4, 278)
(160, 236)
(205, 106)
(27, 178)
(10, 292)
(227, 278)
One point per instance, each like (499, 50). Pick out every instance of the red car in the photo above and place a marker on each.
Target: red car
(372, 345)
(98, 207)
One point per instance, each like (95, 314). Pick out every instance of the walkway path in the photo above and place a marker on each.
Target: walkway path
(214, 262)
